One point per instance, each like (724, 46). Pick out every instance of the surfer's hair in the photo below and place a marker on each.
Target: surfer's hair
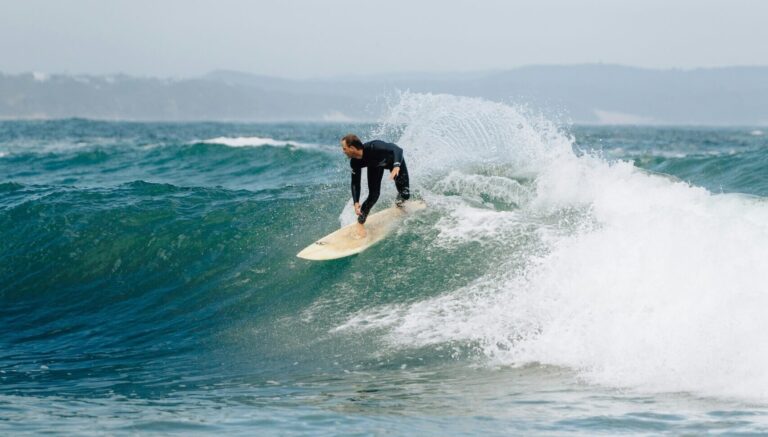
(352, 141)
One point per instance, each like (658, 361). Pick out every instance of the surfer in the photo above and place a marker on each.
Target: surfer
(377, 156)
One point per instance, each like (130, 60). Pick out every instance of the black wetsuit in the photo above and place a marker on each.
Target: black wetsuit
(378, 156)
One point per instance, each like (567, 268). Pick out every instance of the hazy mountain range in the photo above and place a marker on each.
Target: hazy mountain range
(590, 94)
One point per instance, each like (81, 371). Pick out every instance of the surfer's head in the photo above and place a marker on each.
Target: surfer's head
(352, 146)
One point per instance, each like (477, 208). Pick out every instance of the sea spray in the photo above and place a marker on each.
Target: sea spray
(632, 279)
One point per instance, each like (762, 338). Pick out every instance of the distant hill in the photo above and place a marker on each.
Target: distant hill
(591, 94)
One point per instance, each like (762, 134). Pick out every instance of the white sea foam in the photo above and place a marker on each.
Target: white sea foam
(484, 188)
(257, 142)
(472, 132)
(60, 146)
(657, 285)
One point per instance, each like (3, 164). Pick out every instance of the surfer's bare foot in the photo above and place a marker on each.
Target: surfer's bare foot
(360, 231)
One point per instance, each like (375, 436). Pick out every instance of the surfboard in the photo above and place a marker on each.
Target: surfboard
(345, 242)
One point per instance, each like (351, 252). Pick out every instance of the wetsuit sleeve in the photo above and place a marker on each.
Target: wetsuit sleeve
(355, 183)
(374, 189)
(398, 152)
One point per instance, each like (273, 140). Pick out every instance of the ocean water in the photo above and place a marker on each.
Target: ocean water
(566, 280)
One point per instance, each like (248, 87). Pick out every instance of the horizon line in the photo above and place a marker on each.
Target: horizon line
(362, 76)
(658, 124)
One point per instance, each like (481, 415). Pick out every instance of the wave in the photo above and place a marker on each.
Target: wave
(632, 279)
(258, 142)
(733, 171)
(532, 252)
(60, 147)
(198, 164)
(107, 256)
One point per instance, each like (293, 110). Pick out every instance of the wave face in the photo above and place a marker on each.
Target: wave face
(148, 278)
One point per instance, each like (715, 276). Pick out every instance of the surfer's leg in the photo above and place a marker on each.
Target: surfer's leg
(402, 185)
(374, 189)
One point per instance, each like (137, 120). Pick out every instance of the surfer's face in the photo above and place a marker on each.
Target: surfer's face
(350, 151)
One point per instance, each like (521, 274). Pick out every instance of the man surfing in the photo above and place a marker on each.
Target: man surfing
(377, 156)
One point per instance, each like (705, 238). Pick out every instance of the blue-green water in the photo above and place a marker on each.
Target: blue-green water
(565, 280)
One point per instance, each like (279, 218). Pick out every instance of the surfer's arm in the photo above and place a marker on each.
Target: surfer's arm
(356, 185)
(398, 156)
(398, 161)
(374, 189)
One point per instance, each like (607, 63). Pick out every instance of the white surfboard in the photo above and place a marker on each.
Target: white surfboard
(345, 242)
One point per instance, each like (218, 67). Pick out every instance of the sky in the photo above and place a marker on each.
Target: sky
(306, 39)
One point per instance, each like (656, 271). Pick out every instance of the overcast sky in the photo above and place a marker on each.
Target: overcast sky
(303, 38)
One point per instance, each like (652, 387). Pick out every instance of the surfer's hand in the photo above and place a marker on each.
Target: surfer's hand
(395, 171)
(357, 209)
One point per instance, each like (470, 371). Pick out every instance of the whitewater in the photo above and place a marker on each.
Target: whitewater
(564, 280)
(635, 279)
